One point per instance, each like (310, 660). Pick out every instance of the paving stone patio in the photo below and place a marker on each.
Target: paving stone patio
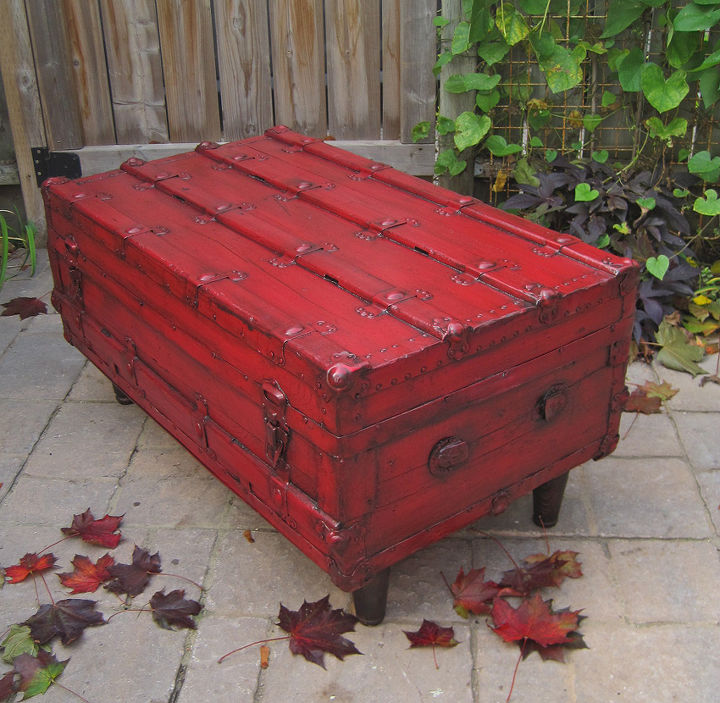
(645, 521)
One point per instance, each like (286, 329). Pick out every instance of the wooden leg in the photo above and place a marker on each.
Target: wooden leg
(121, 396)
(371, 599)
(547, 500)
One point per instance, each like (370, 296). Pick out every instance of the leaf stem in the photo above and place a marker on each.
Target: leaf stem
(437, 666)
(629, 428)
(130, 610)
(177, 576)
(502, 546)
(517, 664)
(50, 546)
(252, 644)
(447, 584)
(52, 600)
(69, 690)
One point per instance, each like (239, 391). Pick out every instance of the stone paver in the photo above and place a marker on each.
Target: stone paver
(653, 497)
(645, 522)
(700, 436)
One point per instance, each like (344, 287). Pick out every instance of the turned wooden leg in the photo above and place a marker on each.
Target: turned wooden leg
(121, 396)
(547, 500)
(371, 599)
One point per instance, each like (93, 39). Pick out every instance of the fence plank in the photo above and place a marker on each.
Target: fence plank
(391, 69)
(188, 58)
(296, 28)
(416, 159)
(132, 46)
(244, 62)
(352, 30)
(417, 57)
(90, 70)
(23, 104)
(46, 19)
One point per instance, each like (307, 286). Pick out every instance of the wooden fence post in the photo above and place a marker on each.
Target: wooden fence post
(452, 104)
(23, 103)
(417, 57)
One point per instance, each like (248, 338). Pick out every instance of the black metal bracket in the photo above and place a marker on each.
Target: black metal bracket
(54, 163)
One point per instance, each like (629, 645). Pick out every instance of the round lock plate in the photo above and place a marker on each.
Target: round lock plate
(447, 455)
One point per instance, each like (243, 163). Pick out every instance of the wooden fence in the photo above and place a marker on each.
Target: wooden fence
(106, 79)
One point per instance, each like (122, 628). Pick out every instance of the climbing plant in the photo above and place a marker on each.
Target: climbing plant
(603, 116)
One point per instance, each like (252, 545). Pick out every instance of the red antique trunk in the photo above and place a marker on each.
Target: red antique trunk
(370, 361)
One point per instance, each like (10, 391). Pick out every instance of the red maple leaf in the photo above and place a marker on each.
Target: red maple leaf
(87, 577)
(101, 532)
(564, 565)
(7, 686)
(640, 402)
(533, 620)
(174, 610)
(65, 618)
(25, 307)
(472, 594)
(132, 578)
(31, 563)
(432, 635)
(540, 571)
(315, 629)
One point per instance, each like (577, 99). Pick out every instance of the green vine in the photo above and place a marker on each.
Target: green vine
(550, 82)
(652, 79)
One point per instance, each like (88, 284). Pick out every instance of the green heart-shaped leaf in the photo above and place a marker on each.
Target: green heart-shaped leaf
(499, 147)
(447, 161)
(600, 156)
(470, 129)
(705, 166)
(674, 128)
(511, 24)
(663, 94)
(550, 155)
(487, 101)
(658, 266)
(590, 122)
(420, 131)
(709, 205)
(629, 70)
(584, 193)
(646, 204)
(462, 82)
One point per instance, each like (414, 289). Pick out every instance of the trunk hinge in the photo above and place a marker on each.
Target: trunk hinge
(277, 431)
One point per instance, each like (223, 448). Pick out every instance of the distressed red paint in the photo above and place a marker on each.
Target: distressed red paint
(370, 361)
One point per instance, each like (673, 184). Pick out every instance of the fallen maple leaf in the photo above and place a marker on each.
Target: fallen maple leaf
(18, 641)
(540, 571)
(640, 402)
(472, 594)
(315, 629)
(38, 673)
(25, 307)
(432, 635)
(564, 565)
(663, 390)
(66, 619)
(87, 577)
(174, 610)
(132, 578)
(101, 532)
(555, 652)
(533, 620)
(31, 563)
(7, 686)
